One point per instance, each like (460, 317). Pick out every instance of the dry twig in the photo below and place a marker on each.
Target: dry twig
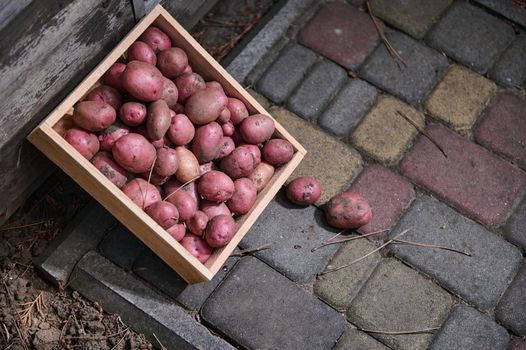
(252, 250)
(422, 131)
(26, 314)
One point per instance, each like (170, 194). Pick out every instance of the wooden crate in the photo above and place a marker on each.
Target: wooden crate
(47, 137)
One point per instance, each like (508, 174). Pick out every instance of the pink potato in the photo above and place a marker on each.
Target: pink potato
(185, 203)
(170, 93)
(238, 110)
(257, 128)
(226, 147)
(132, 113)
(261, 175)
(94, 115)
(181, 130)
(197, 247)
(188, 84)
(224, 116)
(84, 142)
(254, 150)
(303, 190)
(141, 192)
(207, 142)
(104, 162)
(278, 152)
(164, 213)
(215, 186)
(220, 230)
(143, 81)
(206, 167)
(113, 76)
(156, 39)
(166, 163)
(228, 129)
(178, 108)
(244, 197)
(140, 51)
(197, 223)
(347, 210)
(106, 94)
(177, 231)
(214, 85)
(134, 153)
(158, 119)
(111, 134)
(212, 209)
(188, 168)
(173, 185)
(172, 62)
(154, 178)
(240, 163)
(205, 106)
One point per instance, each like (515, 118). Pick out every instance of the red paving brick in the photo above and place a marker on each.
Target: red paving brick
(387, 193)
(503, 127)
(471, 178)
(341, 33)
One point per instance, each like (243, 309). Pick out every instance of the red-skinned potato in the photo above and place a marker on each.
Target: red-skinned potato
(347, 210)
(185, 203)
(261, 175)
(143, 81)
(254, 150)
(162, 142)
(212, 209)
(132, 113)
(244, 197)
(140, 51)
(240, 163)
(173, 185)
(257, 128)
(228, 129)
(113, 76)
(178, 108)
(170, 93)
(224, 116)
(278, 151)
(141, 192)
(84, 142)
(166, 163)
(188, 84)
(105, 93)
(188, 165)
(205, 105)
(197, 223)
(238, 110)
(158, 119)
(220, 230)
(177, 231)
(94, 115)
(134, 153)
(181, 130)
(154, 178)
(111, 134)
(172, 62)
(215, 186)
(206, 167)
(197, 247)
(164, 213)
(303, 190)
(215, 85)
(104, 162)
(207, 142)
(226, 147)
(156, 39)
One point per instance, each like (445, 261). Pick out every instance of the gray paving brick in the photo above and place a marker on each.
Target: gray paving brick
(355, 339)
(510, 69)
(515, 229)
(468, 329)
(264, 63)
(397, 298)
(348, 107)
(148, 312)
(294, 231)
(316, 90)
(510, 9)
(261, 309)
(152, 269)
(480, 278)
(511, 310)
(411, 83)
(286, 72)
(121, 247)
(80, 236)
(471, 36)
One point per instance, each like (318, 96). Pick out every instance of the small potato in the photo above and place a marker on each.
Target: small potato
(238, 110)
(141, 192)
(347, 210)
(188, 84)
(228, 129)
(206, 167)
(244, 197)
(186, 205)
(177, 231)
(226, 147)
(170, 93)
(207, 142)
(224, 116)
(261, 175)
(278, 151)
(113, 76)
(205, 106)
(154, 178)
(105, 93)
(158, 119)
(172, 62)
(104, 162)
(132, 113)
(143, 81)
(134, 153)
(181, 130)
(166, 163)
(212, 209)
(188, 165)
(215, 85)
(140, 51)
(197, 247)
(215, 186)
(94, 115)
(220, 231)
(156, 39)
(240, 163)
(303, 190)
(164, 213)
(197, 223)
(257, 128)
(111, 134)
(84, 142)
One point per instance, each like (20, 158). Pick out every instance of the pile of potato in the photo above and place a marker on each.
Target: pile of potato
(177, 146)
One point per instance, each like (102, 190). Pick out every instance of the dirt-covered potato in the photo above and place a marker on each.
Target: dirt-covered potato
(220, 230)
(172, 62)
(278, 152)
(215, 186)
(156, 39)
(244, 197)
(347, 210)
(207, 142)
(94, 115)
(140, 51)
(141, 192)
(111, 134)
(257, 128)
(143, 81)
(105, 93)
(204, 106)
(181, 130)
(134, 153)
(84, 142)
(261, 175)
(104, 162)
(303, 190)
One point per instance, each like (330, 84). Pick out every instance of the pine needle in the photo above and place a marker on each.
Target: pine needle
(422, 131)
(416, 331)
(252, 250)
(327, 242)
(432, 246)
